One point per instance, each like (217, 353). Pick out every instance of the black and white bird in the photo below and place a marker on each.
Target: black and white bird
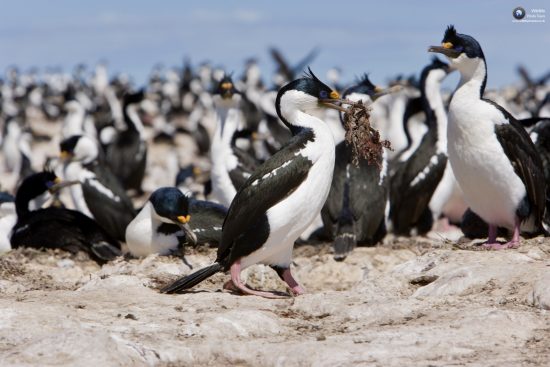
(170, 219)
(415, 180)
(8, 218)
(228, 173)
(100, 194)
(354, 213)
(540, 135)
(127, 153)
(60, 228)
(494, 160)
(282, 197)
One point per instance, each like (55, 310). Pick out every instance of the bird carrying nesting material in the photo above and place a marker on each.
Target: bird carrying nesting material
(364, 139)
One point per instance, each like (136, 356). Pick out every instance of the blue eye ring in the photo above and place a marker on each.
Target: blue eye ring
(459, 48)
(323, 94)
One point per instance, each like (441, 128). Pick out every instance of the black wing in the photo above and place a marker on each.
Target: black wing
(414, 183)
(127, 157)
(369, 195)
(207, 220)
(246, 166)
(528, 122)
(246, 227)
(114, 214)
(527, 164)
(284, 68)
(334, 204)
(67, 229)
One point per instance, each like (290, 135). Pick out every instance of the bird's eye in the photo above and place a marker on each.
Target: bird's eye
(323, 94)
(459, 48)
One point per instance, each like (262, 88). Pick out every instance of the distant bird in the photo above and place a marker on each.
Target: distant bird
(8, 218)
(415, 180)
(191, 181)
(100, 194)
(540, 135)
(494, 160)
(282, 197)
(127, 153)
(61, 228)
(170, 219)
(286, 72)
(354, 211)
(77, 121)
(228, 172)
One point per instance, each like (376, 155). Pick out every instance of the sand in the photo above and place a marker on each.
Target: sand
(408, 302)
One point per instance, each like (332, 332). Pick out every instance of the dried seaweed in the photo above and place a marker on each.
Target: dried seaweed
(364, 139)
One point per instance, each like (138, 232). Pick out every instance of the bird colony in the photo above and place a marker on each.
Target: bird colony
(289, 205)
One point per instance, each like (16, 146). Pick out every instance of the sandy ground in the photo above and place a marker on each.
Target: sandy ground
(408, 302)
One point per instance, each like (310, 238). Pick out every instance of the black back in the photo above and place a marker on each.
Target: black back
(523, 155)
(111, 214)
(246, 227)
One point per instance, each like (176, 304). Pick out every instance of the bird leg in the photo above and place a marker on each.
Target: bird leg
(286, 276)
(237, 283)
(295, 287)
(514, 243)
(492, 240)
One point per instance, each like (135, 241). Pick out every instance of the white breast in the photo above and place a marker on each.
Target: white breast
(290, 217)
(490, 186)
(72, 172)
(142, 238)
(221, 154)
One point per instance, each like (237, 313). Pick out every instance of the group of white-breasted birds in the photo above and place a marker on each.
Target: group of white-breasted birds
(270, 165)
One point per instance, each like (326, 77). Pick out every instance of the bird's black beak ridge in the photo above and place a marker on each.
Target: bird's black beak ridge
(59, 184)
(379, 91)
(184, 224)
(445, 49)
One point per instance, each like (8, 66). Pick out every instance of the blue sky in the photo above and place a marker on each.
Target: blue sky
(383, 38)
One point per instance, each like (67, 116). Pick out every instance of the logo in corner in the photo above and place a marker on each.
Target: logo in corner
(519, 13)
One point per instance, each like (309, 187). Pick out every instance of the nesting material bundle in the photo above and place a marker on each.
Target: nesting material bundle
(363, 138)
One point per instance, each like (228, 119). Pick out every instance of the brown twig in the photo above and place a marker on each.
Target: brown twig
(364, 139)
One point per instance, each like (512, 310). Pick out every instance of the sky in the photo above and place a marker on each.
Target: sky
(383, 38)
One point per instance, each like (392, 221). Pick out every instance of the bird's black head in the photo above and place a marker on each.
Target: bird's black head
(225, 88)
(363, 86)
(455, 44)
(132, 98)
(312, 86)
(32, 187)
(436, 66)
(305, 94)
(171, 205)
(68, 145)
(79, 148)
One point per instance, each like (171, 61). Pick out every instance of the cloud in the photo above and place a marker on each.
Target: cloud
(249, 16)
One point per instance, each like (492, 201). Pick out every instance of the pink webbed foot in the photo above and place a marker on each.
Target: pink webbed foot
(293, 285)
(238, 285)
(492, 243)
(501, 246)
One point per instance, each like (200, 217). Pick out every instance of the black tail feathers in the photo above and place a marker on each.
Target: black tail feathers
(193, 279)
(103, 252)
(344, 245)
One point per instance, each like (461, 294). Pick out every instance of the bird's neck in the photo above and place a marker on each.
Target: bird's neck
(228, 121)
(22, 200)
(435, 111)
(132, 119)
(147, 213)
(473, 79)
(302, 122)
